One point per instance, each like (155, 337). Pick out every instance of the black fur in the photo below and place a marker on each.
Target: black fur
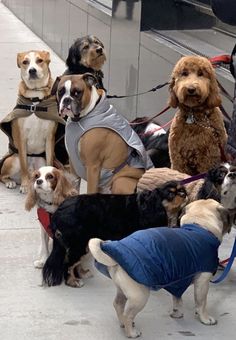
(74, 64)
(211, 187)
(156, 146)
(109, 217)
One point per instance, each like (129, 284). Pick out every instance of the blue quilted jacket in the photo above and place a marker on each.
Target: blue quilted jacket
(165, 257)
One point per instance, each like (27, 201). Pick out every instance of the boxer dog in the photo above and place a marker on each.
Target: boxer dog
(103, 148)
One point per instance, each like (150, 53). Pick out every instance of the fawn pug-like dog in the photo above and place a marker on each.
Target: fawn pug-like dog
(165, 258)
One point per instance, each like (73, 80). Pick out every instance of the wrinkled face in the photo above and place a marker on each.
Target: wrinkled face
(175, 196)
(33, 65)
(192, 80)
(74, 94)
(90, 52)
(45, 179)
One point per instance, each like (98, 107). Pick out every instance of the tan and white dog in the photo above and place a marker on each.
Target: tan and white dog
(201, 219)
(32, 125)
(103, 148)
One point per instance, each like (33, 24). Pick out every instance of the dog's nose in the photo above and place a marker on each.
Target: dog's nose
(39, 181)
(32, 71)
(67, 101)
(99, 50)
(191, 89)
(232, 175)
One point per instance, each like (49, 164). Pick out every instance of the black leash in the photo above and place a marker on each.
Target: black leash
(140, 93)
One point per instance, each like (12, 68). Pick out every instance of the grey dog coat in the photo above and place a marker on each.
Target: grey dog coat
(104, 115)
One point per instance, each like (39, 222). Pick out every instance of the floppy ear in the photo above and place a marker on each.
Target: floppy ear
(214, 99)
(63, 188)
(31, 198)
(73, 56)
(173, 100)
(89, 79)
(55, 86)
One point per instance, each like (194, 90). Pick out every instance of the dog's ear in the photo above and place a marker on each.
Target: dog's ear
(19, 58)
(226, 219)
(89, 79)
(46, 56)
(173, 100)
(55, 86)
(214, 99)
(64, 188)
(74, 56)
(31, 198)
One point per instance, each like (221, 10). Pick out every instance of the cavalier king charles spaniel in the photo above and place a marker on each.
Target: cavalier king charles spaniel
(47, 189)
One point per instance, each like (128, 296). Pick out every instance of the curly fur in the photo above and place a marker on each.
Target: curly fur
(197, 133)
(106, 216)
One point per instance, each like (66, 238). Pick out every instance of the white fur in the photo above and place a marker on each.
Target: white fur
(67, 86)
(93, 99)
(156, 128)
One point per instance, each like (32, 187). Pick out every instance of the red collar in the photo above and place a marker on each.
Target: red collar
(45, 219)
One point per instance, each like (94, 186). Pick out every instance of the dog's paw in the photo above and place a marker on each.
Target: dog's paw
(75, 282)
(208, 320)
(176, 314)
(39, 263)
(23, 188)
(134, 333)
(85, 273)
(11, 185)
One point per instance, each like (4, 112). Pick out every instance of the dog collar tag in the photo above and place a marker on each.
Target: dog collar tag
(190, 119)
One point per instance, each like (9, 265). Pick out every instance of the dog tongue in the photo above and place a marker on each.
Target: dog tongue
(64, 112)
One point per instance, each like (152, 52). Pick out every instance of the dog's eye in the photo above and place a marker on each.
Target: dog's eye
(171, 195)
(200, 73)
(184, 73)
(85, 47)
(39, 61)
(36, 176)
(61, 91)
(76, 93)
(49, 176)
(25, 62)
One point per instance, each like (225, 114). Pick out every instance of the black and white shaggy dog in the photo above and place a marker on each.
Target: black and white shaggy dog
(155, 140)
(105, 216)
(86, 54)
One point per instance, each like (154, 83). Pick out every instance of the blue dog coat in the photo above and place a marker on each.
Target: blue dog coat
(164, 257)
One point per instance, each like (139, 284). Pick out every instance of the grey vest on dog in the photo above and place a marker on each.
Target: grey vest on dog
(105, 115)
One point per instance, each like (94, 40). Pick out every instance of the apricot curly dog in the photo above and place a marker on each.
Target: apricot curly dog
(197, 134)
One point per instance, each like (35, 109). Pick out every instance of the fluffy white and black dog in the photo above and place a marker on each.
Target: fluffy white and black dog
(165, 258)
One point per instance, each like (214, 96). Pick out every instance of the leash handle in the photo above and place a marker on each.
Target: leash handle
(228, 267)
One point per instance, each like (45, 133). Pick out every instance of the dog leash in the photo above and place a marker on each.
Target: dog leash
(228, 266)
(193, 178)
(151, 118)
(140, 93)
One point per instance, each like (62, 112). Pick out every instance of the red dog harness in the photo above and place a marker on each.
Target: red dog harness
(45, 219)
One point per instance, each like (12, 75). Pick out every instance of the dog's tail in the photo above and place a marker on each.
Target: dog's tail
(95, 249)
(55, 267)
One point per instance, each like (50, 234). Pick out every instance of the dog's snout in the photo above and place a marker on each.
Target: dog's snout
(39, 181)
(232, 175)
(67, 101)
(99, 49)
(191, 89)
(32, 71)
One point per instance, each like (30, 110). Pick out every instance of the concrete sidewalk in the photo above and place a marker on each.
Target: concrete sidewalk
(29, 311)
